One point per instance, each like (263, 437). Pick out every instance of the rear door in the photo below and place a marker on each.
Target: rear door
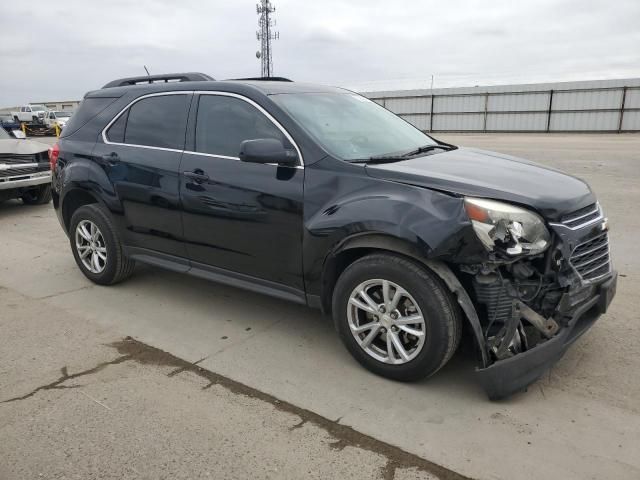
(241, 217)
(140, 153)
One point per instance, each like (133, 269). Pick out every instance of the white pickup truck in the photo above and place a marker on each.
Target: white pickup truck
(25, 172)
(30, 113)
(57, 117)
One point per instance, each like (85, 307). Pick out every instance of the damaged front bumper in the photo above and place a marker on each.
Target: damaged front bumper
(583, 307)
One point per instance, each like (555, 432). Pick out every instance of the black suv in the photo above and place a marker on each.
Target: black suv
(320, 196)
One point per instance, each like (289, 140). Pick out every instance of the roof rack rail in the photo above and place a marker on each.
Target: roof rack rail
(163, 78)
(266, 79)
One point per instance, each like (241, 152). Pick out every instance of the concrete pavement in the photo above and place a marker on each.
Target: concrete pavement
(582, 420)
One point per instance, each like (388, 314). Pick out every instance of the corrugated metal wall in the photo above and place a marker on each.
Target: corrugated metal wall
(590, 106)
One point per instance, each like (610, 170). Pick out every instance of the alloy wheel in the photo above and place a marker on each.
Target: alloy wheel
(386, 321)
(91, 246)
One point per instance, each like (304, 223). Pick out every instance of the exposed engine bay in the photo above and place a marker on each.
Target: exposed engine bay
(534, 278)
(518, 304)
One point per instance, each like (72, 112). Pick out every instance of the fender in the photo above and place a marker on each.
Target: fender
(74, 178)
(340, 209)
(396, 245)
(77, 174)
(451, 281)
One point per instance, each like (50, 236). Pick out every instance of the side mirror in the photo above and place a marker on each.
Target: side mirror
(266, 150)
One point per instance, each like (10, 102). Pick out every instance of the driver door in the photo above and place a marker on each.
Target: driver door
(240, 217)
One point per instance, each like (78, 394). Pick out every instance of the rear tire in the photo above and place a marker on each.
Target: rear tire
(400, 349)
(37, 196)
(97, 247)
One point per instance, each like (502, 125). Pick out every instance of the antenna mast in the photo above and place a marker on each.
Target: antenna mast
(265, 35)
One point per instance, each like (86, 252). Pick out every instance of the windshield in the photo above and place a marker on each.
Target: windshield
(352, 127)
(62, 114)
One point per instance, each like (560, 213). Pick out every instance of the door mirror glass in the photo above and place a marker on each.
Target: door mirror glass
(266, 150)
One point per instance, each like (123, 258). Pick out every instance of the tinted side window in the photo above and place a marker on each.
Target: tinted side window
(116, 131)
(223, 123)
(158, 121)
(88, 109)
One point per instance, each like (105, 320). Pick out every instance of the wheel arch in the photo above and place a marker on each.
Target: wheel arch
(73, 200)
(357, 247)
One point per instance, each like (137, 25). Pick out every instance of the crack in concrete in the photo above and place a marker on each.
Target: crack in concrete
(57, 384)
(389, 470)
(298, 425)
(345, 436)
(58, 294)
(133, 350)
(182, 369)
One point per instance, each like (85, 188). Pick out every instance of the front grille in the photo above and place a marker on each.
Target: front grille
(17, 172)
(582, 217)
(15, 158)
(591, 258)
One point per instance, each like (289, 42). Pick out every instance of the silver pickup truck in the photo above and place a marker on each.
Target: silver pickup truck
(24, 170)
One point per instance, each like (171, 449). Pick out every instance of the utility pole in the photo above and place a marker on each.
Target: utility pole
(265, 35)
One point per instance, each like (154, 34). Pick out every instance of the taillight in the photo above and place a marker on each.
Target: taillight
(54, 153)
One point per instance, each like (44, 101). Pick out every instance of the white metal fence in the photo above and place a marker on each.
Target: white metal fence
(591, 106)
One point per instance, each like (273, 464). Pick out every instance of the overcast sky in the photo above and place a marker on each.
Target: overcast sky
(58, 50)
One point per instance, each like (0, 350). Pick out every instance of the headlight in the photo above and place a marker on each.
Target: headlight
(506, 227)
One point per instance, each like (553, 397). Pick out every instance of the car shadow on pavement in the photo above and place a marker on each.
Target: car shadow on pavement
(240, 331)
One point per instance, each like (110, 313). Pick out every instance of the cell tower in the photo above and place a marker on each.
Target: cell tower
(265, 35)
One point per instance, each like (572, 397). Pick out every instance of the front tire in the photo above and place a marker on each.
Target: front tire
(37, 196)
(396, 317)
(96, 246)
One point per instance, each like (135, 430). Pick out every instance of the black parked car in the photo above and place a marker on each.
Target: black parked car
(319, 196)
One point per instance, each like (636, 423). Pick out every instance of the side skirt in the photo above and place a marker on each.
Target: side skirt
(218, 275)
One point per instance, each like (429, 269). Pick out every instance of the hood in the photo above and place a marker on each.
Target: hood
(479, 173)
(21, 147)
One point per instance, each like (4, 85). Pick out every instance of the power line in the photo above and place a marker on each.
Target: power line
(265, 35)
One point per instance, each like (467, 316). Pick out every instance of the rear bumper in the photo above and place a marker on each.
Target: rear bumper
(506, 377)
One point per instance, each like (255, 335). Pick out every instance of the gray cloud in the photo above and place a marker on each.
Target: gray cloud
(59, 50)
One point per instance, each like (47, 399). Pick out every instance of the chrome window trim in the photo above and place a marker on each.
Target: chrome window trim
(201, 92)
(225, 157)
(135, 100)
(261, 110)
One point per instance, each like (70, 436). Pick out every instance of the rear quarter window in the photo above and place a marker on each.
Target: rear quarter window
(88, 108)
(158, 121)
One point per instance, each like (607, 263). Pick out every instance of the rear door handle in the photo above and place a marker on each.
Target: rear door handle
(197, 176)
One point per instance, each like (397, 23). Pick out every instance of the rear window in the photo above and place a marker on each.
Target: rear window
(88, 108)
(158, 121)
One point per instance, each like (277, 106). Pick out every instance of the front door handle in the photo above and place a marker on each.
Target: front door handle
(197, 176)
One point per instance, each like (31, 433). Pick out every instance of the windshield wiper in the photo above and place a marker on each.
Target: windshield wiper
(403, 156)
